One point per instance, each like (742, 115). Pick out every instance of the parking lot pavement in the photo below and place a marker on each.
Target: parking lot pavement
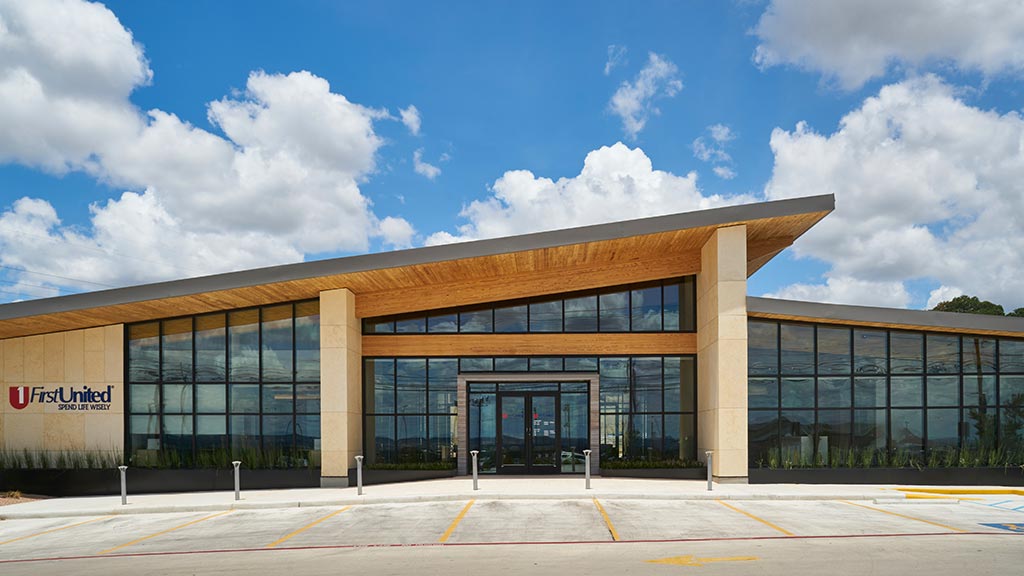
(503, 522)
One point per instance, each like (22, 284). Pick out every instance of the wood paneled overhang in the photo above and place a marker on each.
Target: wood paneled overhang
(530, 344)
(445, 276)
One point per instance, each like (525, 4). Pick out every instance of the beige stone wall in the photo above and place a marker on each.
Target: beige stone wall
(341, 398)
(722, 352)
(92, 357)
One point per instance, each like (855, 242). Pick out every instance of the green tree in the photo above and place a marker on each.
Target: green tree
(971, 305)
(1018, 312)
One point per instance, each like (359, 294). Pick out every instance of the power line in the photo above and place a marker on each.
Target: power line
(20, 283)
(56, 276)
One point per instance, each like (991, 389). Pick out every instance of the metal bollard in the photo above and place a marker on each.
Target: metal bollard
(475, 453)
(124, 486)
(238, 487)
(359, 475)
(586, 469)
(709, 454)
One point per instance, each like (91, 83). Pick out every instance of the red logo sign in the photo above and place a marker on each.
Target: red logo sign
(19, 396)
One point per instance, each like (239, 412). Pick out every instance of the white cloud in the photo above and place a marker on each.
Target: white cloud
(853, 42)
(424, 168)
(714, 152)
(633, 102)
(616, 183)
(616, 56)
(927, 187)
(397, 232)
(724, 172)
(942, 294)
(411, 119)
(847, 290)
(282, 181)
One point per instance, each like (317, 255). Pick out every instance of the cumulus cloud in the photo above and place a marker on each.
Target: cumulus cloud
(852, 42)
(411, 118)
(847, 290)
(397, 232)
(712, 149)
(616, 182)
(616, 56)
(422, 167)
(280, 181)
(927, 187)
(633, 102)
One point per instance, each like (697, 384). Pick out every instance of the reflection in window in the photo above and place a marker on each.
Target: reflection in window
(646, 309)
(581, 314)
(176, 340)
(614, 315)
(797, 342)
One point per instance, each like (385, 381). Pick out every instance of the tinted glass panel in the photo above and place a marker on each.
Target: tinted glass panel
(833, 350)
(476, 321)
(763, 437)
(646, 309)
(906, 353)
(545, 364)
(870, 431)
(647, 384)
(476, 364)
(614, 312)
(670, 305)
(211, 348)
(797, 349)
(511, 364)
(277, 344)
(870, 355)
(979, 354)
(763, 348)
(979, 390)
(144, 398)
(412, 439)
(834, 393)
(546, 316)
(1011, 390)
(177, 345)
(869, 392)
(581, 364)
(307, 342)
(144, 352)
(307, 398)
(412, 386)
(614, 386)
(763, 392)
(411, 325)
(1011, 355)
(943, 390)
(445, 323)
(835, 437)
(177, 398)
(581, 314)
(798, 392)
(907, 391)
(277, 398)
(211, 398)
(243, 346)
(510, 319)
(942, 428)
(797, 442)
(680, 383)
(908, 431)
(943, 354)
(245, 432)
(244, 398)
(380, 386)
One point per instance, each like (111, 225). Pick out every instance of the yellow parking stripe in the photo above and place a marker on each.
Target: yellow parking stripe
(136, 541)
(607, 520)
(903, 516)
(968, 491)
(761, 520)
(52, 530)
(306, 527)
(447, 533)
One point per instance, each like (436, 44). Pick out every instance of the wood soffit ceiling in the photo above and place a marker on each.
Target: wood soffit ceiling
(459, 280)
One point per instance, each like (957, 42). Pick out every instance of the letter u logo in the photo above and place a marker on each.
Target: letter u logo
(19, 396)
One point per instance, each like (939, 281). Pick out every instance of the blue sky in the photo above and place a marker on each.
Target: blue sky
(510, 86)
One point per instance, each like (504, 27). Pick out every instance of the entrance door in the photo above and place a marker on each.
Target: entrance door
(528, 440)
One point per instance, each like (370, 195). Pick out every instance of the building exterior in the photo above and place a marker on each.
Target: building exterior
(635, 340)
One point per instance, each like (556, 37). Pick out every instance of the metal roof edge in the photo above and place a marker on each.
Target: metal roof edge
(423, 255)
(917, 318)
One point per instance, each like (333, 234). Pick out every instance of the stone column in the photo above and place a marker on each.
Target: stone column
(341, 399)
(722, 353)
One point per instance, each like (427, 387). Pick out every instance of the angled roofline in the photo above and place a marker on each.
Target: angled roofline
(872, 315)
(414, 256)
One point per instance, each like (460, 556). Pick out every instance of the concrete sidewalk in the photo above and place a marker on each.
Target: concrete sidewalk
(453, 489)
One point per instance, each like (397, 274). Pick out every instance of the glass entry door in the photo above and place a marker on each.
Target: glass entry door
(528, 433)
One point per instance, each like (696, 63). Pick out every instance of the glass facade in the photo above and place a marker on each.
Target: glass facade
(647, 406)
(203, 390)
(827, 395)
(664, 306)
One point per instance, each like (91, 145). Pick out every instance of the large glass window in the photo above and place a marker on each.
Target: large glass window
(914, 399)
(242, 384)
(663, 306)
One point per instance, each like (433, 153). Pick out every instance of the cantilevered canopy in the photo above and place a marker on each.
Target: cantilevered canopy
(450, 275)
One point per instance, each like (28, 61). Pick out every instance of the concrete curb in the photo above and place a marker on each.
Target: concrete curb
(480, 495)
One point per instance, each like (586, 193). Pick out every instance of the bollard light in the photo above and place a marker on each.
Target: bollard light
(475, 453)
(586, 467)
(359, 475)
(124, 485)
(709, 455)
(238, 487)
